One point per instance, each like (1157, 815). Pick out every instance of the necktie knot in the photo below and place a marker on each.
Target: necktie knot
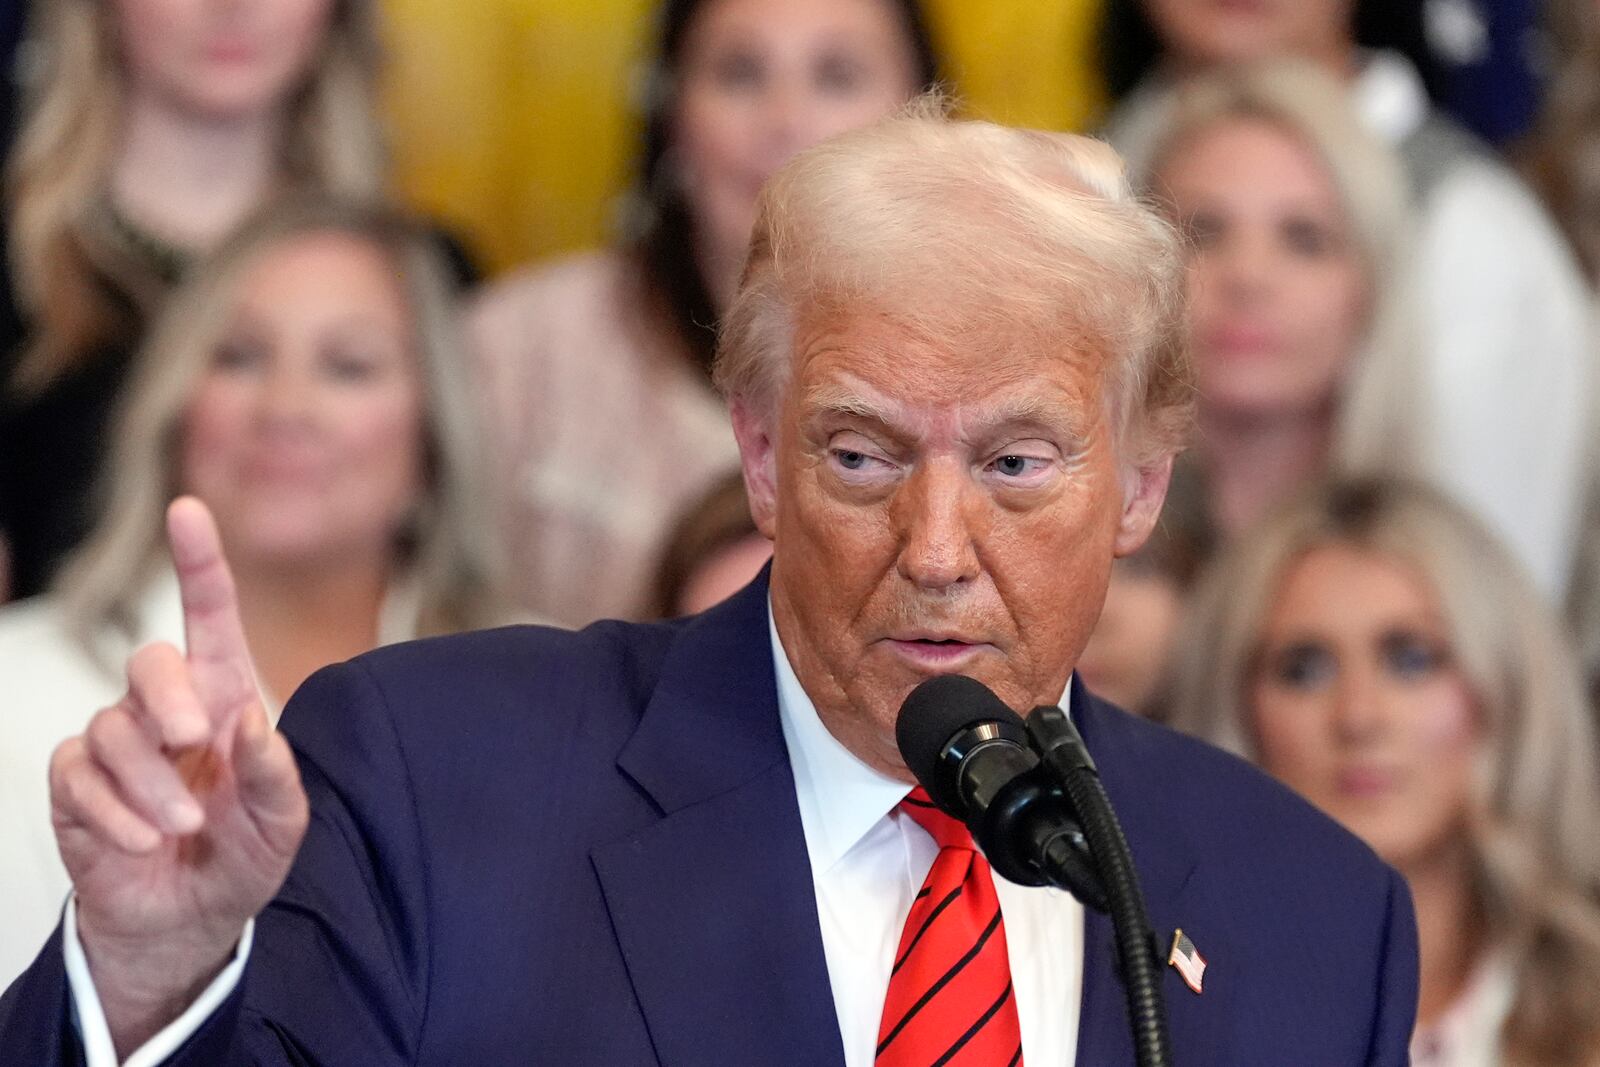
(948, 832)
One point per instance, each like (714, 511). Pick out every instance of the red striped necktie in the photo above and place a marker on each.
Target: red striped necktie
(950, 1000)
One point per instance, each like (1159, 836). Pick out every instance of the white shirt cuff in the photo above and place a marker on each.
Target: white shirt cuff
(91, 1018)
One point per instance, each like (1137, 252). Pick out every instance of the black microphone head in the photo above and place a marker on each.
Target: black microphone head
(934, 713)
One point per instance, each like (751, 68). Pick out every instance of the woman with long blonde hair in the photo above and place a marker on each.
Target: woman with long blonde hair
(308, 386)
(1377, 650)
(150, 130)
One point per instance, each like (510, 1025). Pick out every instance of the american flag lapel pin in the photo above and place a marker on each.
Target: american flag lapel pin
(1186, 960)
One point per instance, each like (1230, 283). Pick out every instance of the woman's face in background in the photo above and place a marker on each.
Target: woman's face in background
(1357, 703)
(760, 80)
(1278, 293)
(1203, 33)
(305, 434)
(1128, 650)
(220, 59)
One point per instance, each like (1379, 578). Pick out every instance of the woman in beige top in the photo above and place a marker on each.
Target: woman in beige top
(308, 387)
(602, 413)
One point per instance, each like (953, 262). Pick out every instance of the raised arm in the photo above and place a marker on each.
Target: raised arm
(179, 810)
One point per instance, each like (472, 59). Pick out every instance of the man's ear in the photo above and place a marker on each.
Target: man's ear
(1145, 490)
(754, 428)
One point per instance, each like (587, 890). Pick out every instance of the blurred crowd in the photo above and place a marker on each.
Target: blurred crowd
(1378, 571)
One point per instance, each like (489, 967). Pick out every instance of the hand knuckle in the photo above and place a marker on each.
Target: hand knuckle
(64, 755)
(69, 789)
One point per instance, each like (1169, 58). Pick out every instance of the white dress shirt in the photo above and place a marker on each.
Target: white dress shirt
(1471, 1032)
(867, 864)
(868, 861)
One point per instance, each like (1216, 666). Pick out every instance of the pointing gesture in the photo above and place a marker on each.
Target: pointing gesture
(179, 810)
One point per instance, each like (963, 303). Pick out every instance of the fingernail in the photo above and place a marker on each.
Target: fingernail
(184, 816)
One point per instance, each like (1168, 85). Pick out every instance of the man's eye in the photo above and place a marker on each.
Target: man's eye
(850, 460)
(1015, 466)
(1012, 465)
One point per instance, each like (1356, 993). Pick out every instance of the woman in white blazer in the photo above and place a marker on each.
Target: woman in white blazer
(307, 385)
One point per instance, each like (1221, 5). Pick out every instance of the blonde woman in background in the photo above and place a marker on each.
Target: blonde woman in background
(605, 422)
(152, 128)
(1299, 320)
(1298, 325)
(1377, 650)
(308, 387)
(1506, 353)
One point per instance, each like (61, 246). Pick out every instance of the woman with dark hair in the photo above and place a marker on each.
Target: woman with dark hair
(714, 550)
(1502, 306)
(618, 342)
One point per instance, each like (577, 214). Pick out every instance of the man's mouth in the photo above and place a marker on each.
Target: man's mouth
(935, 652)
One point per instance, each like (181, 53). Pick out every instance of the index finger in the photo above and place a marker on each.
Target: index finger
(213, 635)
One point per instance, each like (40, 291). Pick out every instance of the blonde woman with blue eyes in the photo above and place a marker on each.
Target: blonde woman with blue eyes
(307, 388)
(1375, 649)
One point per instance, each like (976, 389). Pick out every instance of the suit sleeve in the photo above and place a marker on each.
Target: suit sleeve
(338, 970)
(1396, 1009)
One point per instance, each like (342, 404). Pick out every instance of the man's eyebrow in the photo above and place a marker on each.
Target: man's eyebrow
(1051, 415)
(831, 398)
(1035, 411)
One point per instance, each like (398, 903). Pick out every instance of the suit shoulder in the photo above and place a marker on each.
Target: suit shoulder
(608, 668)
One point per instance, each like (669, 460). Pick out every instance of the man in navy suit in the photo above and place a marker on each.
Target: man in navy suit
(955, 373)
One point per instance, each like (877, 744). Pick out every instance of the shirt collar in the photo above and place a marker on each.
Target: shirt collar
(841, 798)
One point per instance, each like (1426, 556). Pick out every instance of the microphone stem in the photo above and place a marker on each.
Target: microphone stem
(1136, 944)
(1063, 753)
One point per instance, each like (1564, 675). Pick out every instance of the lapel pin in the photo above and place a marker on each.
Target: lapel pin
(1186, 960)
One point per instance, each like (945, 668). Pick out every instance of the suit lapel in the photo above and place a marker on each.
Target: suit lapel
(1165, 862)
(713, 905)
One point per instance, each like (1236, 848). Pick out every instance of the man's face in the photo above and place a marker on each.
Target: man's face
(937, 511)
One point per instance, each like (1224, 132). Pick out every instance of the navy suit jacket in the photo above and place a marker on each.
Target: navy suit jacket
(534, 846)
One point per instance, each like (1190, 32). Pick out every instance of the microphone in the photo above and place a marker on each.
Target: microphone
(970, 752)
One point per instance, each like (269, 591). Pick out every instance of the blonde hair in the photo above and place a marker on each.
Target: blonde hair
(1378, 416)
(449, 551)
(1532, 839)
(962, 229)
(68, 283)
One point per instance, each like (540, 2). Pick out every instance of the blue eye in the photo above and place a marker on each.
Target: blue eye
(1015, 466)
(1019, 468)
(852, 461)
(1411, 656)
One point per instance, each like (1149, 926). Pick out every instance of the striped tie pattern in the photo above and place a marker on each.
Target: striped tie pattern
(950, 1000)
